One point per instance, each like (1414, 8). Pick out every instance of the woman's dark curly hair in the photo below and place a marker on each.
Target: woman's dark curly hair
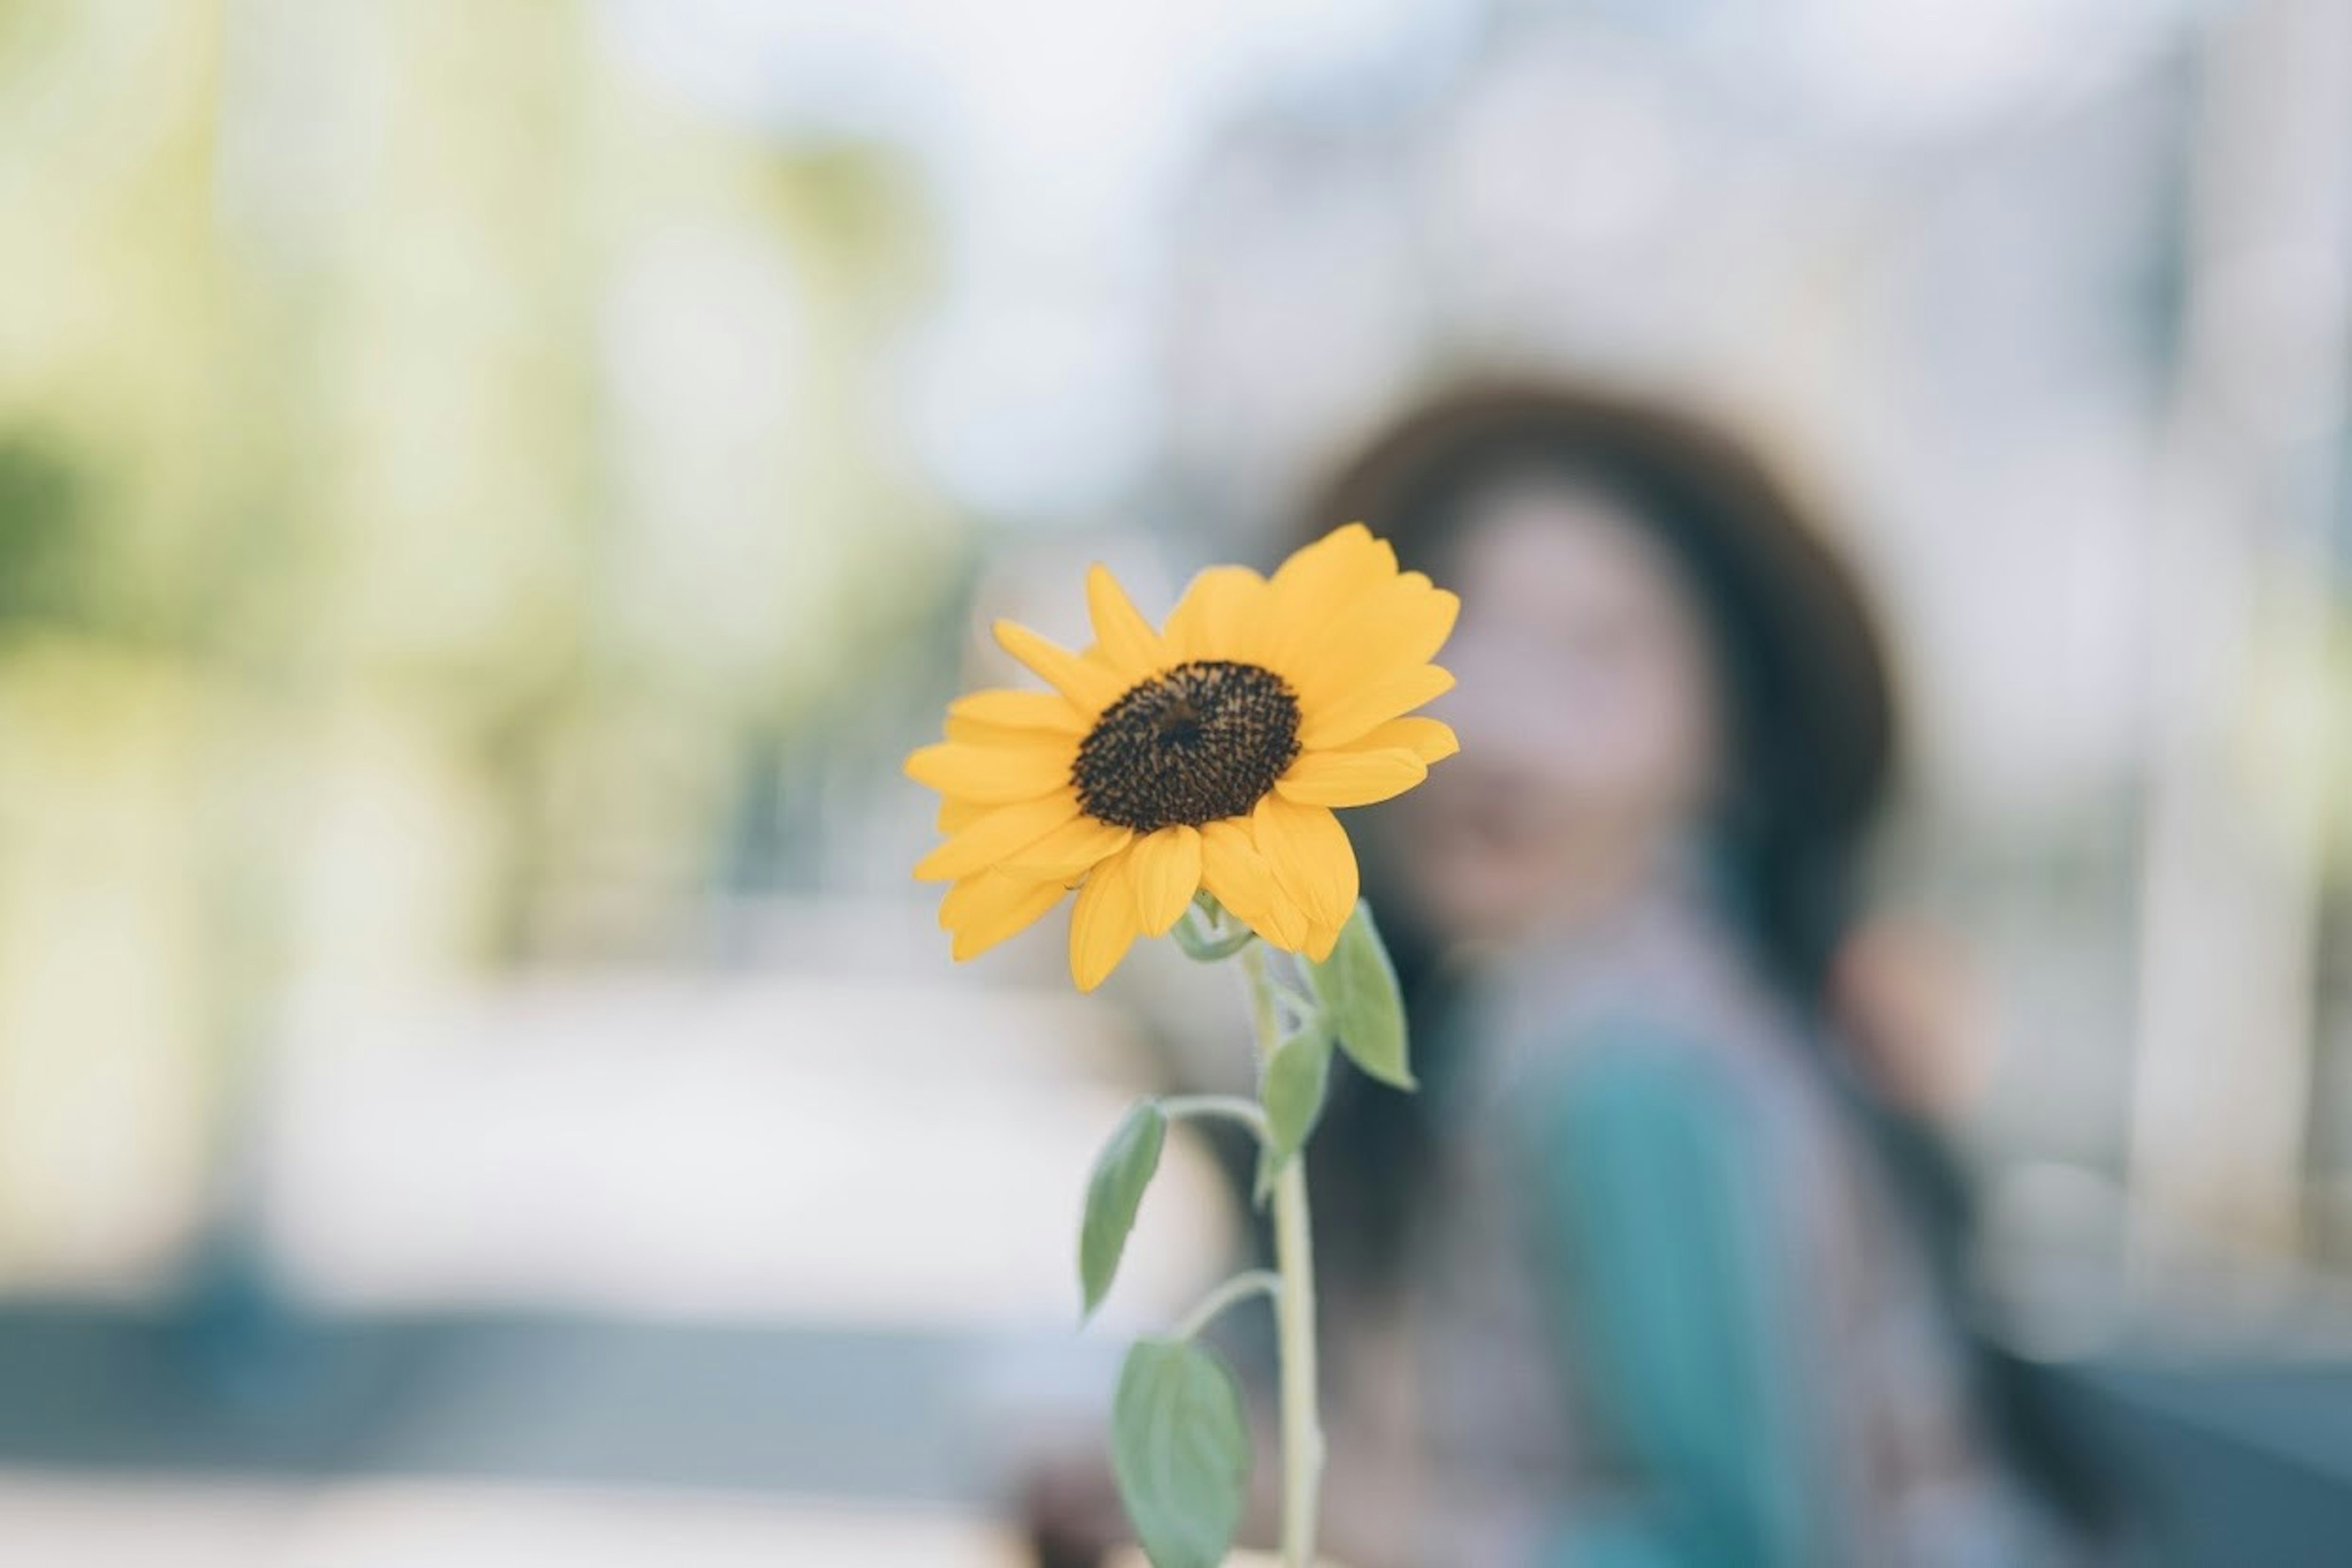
(1811, 716)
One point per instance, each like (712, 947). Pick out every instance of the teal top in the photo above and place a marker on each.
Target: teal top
(1664, 1312)
(1644, 1188)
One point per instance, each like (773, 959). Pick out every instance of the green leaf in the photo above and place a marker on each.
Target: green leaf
(1114, 1192)
(1204, 936)
(1357, 988)
(1292, 1086)
(1181, 1447)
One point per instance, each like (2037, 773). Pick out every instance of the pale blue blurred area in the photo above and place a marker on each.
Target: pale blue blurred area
(489, 495)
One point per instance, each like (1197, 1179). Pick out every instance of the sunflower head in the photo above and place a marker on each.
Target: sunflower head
(1206, 754)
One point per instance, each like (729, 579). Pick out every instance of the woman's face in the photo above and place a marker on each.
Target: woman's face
(1585, 703)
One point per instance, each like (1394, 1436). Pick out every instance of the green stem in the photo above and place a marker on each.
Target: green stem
(1302, 1429)
(1227, 1107)
(1240, 1288)
(1294, 1256)
(1207, 939)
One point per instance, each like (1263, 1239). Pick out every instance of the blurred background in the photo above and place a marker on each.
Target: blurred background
(489, 495)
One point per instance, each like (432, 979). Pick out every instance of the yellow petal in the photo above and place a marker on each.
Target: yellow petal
(1011, 709)
(1311, 856)
(1070, 851)
(1102, 923)
(1326, 577)
(1089, 684)
(1224, 614)
(993, 774)
(972, 898)
(1000, 833)
(1402, 622)
(1321, 940)
(1350, 778)
(1123, 639)
(1331, 724)
(979, 732)
(955, 815)
(1166, 870)
(984, 909)
(1238, 876)
(1427, 739)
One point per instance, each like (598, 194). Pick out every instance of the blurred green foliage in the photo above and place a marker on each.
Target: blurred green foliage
(44, 565)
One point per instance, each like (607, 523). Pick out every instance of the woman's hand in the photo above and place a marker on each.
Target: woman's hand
(1909, 1004)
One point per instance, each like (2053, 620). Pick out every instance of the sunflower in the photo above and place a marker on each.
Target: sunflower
(1204, 755)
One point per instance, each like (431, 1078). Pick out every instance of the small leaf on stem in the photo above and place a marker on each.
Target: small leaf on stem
(1122, 1170)
(1181, 1447)
(1357, 988)
(1206, 936)
(1292, 1089)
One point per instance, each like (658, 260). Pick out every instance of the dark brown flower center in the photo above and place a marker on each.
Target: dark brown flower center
(1191, 744)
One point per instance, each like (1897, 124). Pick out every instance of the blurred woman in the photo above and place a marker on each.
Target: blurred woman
(1648, 1273)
